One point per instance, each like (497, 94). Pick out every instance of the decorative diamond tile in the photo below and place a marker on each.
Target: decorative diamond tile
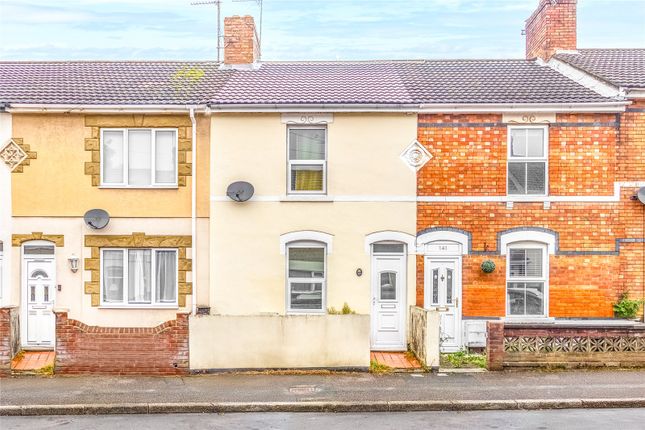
(416, 156)
(12, 155)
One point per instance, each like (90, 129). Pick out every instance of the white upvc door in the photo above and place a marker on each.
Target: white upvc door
(39, 290)
(388, 303)
(443, 293)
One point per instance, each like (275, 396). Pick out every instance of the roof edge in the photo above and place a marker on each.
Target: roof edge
(97, 108)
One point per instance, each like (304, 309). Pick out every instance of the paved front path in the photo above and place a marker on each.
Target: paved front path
(332, 387)
(570, 419)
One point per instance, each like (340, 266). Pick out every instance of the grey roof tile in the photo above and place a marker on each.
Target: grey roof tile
(340, 82)
(621, 67)
(109, 82)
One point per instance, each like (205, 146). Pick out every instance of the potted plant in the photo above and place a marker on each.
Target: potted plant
(488, 266)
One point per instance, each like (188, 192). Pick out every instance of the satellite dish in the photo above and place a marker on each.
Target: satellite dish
(641, 195)
(96, 218)
(240, 191)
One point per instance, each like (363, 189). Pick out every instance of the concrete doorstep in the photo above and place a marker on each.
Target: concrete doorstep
(391, 406)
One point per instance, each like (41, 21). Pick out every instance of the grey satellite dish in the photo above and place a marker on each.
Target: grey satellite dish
(641, 195)
(96, 218)
(240, 191)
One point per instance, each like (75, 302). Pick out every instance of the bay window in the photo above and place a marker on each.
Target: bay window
(138, 277)
(306, 277)
(139, 157)
(527, 160)
(307, 155)
(526, 276)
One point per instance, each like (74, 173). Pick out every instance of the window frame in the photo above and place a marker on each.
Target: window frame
(544, 279)
(153, 304)
(323, 163)
(289, 280)
(153, 173)
(544, 159)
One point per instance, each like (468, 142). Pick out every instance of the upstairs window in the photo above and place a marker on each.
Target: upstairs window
(307, 160)
(527, 161)
(526, 286)
(139, 157)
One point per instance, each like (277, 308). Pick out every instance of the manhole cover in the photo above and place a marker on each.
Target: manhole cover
(304, 389)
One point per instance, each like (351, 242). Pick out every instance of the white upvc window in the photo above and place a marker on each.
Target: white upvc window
(527, 272)
(306, 277)
(139, 277)
(139, 157)
(528, 167)
(307, 159)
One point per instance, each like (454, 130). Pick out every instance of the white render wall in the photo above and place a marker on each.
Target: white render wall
(278, 341)
(6, 298)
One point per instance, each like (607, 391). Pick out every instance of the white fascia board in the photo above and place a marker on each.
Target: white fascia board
(295, 108)
(603, 107)
(585, 79)
(636, 93)
(78, 108)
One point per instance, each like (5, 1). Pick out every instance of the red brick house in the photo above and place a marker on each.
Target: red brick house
(547, 195)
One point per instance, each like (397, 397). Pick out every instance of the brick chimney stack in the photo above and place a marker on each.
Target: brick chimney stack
(241, 44)
(551, 28)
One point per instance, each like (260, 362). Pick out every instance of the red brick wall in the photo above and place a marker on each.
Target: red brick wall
(469, 159)
(564, 355)
(631, 151)
(161, 350)
(551, 27)
(9, 340)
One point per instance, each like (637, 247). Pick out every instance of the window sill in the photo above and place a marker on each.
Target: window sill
(306, 313)
(124, 187)
(522, 198)
(527, 319)
(307, 198)
(135, 307)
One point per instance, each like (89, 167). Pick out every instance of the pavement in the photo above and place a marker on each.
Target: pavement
(337, 392)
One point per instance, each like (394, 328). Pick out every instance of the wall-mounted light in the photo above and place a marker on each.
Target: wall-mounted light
(73, 263)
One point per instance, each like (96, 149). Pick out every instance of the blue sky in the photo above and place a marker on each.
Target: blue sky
(298, 29)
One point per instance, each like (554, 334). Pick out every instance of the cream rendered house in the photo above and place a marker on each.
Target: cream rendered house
(331, 221)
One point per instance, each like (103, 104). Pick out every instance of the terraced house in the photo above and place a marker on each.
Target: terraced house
(167, 217)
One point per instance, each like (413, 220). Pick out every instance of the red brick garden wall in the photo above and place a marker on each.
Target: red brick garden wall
(564, 345)
(9, 338)
(161, 350)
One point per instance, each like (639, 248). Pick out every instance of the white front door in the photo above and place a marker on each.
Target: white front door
(443, 293)
(388, 303)
(39, 291)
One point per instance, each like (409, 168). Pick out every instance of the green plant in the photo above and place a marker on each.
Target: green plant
(379, 368)
(626, 307)
(488, 266)
(345, 310)
(464, 359)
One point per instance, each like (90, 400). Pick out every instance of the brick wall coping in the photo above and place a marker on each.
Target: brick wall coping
(121, 330)
(591, 325)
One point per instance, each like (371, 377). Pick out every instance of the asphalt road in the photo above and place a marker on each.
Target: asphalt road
(570, 419)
